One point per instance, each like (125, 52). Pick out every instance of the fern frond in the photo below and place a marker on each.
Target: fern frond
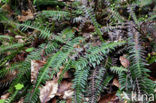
(138, 71)
(50, 47)
(89, 14)
(96, 54)
(96, 84)
(133, 15)
(44, 31)
(123, 80)
(137, 57)
(107, 80)
(9, 47)
(80, 82)
(116, 15)
(57, 15)
(66, 35)
(29, 96)
(118, 70)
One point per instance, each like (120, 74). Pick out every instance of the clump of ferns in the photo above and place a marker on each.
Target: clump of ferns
(139, 72)
(54, 61)
(93, 57)
(72, 14)
(135, 77)
(80, 15)
(49, 48)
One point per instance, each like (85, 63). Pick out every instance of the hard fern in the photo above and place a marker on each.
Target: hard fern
(118, 70)
(10, 47)
(44, 32)
(96, 84)
(54, 62)
(138, 71)
(56, 15)
(92, 58)
(23, 68)
(89, 14)
(95, 54)
(80, 82)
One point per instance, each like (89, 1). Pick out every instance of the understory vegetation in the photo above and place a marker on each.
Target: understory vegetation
(77, 51)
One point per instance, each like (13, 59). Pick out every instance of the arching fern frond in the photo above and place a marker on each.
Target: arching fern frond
(95, 54)
(56, 15)
(44, 31)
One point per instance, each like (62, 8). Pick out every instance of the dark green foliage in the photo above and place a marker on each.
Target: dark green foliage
(62, 42)
(80, 82)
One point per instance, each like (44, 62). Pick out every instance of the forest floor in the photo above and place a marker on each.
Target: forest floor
(80, 51)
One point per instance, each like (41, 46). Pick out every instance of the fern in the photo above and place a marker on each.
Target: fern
(80, 82)
(92, 58)
(118, 70)
(57, 15)
(66, 49)
(116, 15)
(138, 71)
(9, 47)
(96, 86)
(44, 31)
(89, 14)
(131, 10)
(54, 62)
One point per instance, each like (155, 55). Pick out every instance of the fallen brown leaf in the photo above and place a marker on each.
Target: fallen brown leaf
(68, 94)
(124, 61)
(35, 67)
(116, 82)
(5, 96)
(64, 86)
(48, 91)
(26, 15)
(54, 100)
(109, 98)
